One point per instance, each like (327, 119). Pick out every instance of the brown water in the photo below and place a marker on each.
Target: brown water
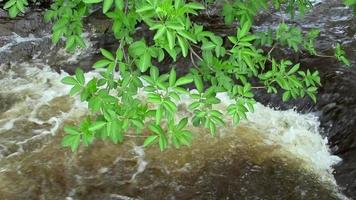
(227, 168)
(273, 155)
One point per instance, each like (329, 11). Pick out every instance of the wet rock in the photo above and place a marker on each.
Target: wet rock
(3, 13)
(32, 23)
(5, 30)
(23, 37)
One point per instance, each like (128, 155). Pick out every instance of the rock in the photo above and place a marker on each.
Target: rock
(3, 13)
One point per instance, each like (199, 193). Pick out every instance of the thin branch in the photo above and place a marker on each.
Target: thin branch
(261, 87)
(193, 61)
(324, 56)
(273, 47)
(195, 53)
(135, 136)
(126, 6)
(192, 52)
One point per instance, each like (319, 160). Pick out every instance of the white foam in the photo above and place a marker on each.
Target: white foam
(298, 134)
(15, 39)
(141, 162)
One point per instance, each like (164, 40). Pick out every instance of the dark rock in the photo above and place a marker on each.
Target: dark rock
(3, 13)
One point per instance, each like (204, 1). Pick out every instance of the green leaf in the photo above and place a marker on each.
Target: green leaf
(198, 83)
(194, 105)
(172, 77)
(160, 33)
(75, 90)
(94, 103)
(312, 96)
(97, 125)
(182, 123)
(88, 138)
(107, 54)
(119, 4)
(345, 60)
(138, 48)
(195, 6)
(71, 130)
(145, 8)
(232, 39)
(149, 140)
(181, 90)
(171, 39)
(183, 45)
(212, 128)
(102, 63)
(227, 12)
(71, 140)
(144, 62)
(184, 80)
(187, 35)
(79, 74)
(9, 4)
(170, 106)
(312, 89)
(294, 69)
(159, 113)
(116, 131)
(162, 142)
(70, 42)
(286, 96)
(155, 128)
(208, 46)
(245, 29)
(107, 5)
(20, 6)
(154, 73)
(79, 40)
(248, 38)
(175, 26)
(56, 36)
(69, 80)
(92, 1)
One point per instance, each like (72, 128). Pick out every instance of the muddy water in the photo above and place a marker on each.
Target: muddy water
(273, 155)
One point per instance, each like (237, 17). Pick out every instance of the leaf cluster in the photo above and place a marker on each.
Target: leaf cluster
(131, 93)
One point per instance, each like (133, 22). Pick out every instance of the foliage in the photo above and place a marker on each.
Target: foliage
(235, 65)
(351, 3)
(340, 55)
(15, 7)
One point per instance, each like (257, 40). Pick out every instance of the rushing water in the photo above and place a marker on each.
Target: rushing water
(272, 155)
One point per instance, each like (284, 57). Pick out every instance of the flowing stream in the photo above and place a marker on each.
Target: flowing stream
(274, 154)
